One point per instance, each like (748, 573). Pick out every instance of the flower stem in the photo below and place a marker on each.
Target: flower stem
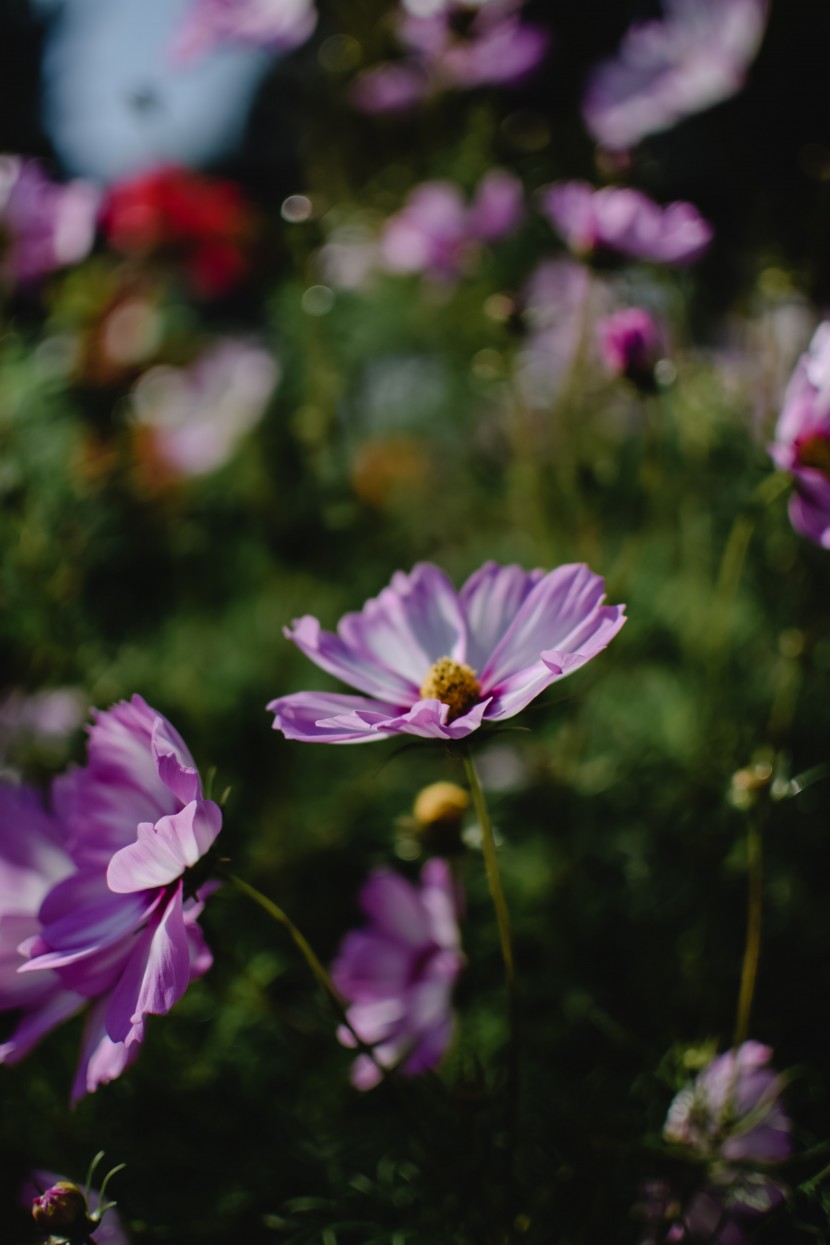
(491, 864)
(313, 961)
(752, 951)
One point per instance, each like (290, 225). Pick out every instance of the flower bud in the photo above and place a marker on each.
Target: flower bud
(632, 343)
(62, 1211)
(439, 812)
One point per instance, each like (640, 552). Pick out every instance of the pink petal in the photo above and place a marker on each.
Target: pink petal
(490, 600)
(176, 767)
(349, 660)
(161, 853)
(327, 717)
(102, 1060)
(562, 612)
(156, 975)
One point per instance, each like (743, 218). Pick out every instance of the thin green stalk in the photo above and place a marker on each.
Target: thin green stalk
(313, 961)
(752, 951)
(491, 864)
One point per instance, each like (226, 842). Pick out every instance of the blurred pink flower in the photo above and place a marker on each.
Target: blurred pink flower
(802, 439)
(397, 974)
(625, 222)
(45, 225)
(666, 70)
(277, 24)
(437, 663)
(453, 47)
(632, 343)
(437, 234)
(195, 416)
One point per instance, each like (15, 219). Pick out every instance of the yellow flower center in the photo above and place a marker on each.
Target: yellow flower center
(815, 452)
(452, 683)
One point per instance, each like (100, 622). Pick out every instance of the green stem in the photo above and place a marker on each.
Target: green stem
(491, 864)
(313, 961)
(752, 951)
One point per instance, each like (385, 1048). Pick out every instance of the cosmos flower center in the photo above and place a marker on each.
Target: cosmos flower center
(452, 683)
(815, 452)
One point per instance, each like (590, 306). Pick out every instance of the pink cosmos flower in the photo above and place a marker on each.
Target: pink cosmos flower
(277, 24)
(453, 47)
(44, 225)
(398, 973)
(33, 859)
(625, 222)
(438, 663)
(730, 1119)
(436, 233)
(802, 439)
(122, 929)
(666, 70)
(632, 343)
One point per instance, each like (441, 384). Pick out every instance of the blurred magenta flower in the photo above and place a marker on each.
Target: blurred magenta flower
(666, 70)
(731, 1119)
(438, 663)
(437, 234)
(802, 439)
(192, 418)
(276, 24)
(33, 859)
(121, 930)
(622, 221)
(44, 225)
(397, 975)
(453, 46)
(632, 343)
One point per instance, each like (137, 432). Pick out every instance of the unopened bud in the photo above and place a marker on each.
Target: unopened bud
(62, 1211)
(439, 811)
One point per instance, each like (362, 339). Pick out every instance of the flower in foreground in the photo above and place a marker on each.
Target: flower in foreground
(731, 1120)
(438, 663)
(622, 221)
(802, 439)
(666, 70)
(397, 974)
(122, 929)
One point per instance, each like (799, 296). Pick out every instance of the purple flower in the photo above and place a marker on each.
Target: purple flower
(453, 47)
(632, 343)
(732, 1111)
(625, 222)
(731, 1119)
(666, 70)
(121, 930)
(398, 974)
(436, 233)
(44, 225)
(194, 417)
(802, 439)
(276, 24)
(438, 663)
(33, 858)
